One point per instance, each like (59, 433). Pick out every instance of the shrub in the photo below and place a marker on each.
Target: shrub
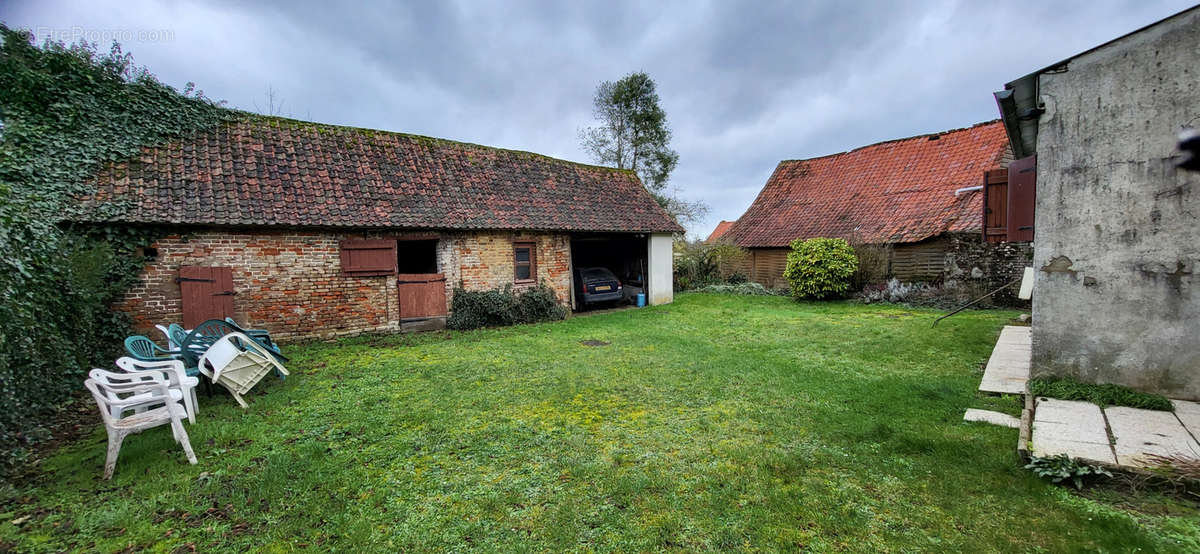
(872, 262)
(1066, 388)
(699, 264)
(820, 268)
(539, 304)
(503, 306)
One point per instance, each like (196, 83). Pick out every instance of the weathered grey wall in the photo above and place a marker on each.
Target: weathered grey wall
(1117, 237)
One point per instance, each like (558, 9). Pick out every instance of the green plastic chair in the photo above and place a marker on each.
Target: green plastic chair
(143, 349)
(177, 332)
(261, 336)
(146, 350)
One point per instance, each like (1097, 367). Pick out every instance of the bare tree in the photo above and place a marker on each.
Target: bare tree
(274, 104)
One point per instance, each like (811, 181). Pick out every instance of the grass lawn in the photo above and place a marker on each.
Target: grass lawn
(715, 423)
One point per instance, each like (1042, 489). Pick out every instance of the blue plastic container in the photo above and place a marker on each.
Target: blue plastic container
(641, 300)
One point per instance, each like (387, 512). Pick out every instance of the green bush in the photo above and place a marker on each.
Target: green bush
(820, 268)
(699, 264)
(503, 306)
(67, 110)
(1065, 388)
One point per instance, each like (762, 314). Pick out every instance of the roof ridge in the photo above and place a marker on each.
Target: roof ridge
(250, 116)
(889, 141)
(278, 171)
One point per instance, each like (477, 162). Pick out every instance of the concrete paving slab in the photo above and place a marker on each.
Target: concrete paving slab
(995, 418)
(1189, 414)
(1070, 412)
(1007, 370)
(1076, 450)
(1073, 428)
(1074, 431)
(1141, 432)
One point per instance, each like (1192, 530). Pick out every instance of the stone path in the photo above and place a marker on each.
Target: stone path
(1007, 370)
(995, 418)
(1114, 435)
(1117, 436)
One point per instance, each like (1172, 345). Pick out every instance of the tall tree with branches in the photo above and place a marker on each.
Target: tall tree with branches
(633, 134)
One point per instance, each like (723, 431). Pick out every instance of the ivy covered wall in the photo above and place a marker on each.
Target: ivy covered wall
(64, 111)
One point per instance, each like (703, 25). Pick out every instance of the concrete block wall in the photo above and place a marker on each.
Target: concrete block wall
(1117, 234)
(661, 260)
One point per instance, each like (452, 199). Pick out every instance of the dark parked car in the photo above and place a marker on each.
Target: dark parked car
(597, 284)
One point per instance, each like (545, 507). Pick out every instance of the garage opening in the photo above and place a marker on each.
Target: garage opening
(599, 259)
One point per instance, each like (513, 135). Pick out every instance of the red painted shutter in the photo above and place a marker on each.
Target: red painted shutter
(368, 258)
(207, 293)
(1022, 191)
(995, 205)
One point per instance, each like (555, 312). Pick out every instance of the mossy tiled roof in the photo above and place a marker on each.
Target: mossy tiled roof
(279, 172)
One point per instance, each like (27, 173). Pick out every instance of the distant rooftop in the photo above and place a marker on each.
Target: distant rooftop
(896, 191)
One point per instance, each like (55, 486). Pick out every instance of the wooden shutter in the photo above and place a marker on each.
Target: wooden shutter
(207, 293)
(1022, 192)
(995, 205)
(368, 258)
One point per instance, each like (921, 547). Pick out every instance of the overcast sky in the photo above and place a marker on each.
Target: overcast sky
(744, 84)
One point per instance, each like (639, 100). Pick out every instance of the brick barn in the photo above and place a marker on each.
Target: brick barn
(914, 195)
(313, 230)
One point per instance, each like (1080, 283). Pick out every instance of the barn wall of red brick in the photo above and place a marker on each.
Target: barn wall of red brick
(291, 282)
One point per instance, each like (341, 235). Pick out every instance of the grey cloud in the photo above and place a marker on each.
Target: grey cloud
(744, 84)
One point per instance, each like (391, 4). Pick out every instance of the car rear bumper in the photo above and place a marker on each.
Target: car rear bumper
(590, 297)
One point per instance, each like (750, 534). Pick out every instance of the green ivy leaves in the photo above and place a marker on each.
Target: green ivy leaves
(65, 111)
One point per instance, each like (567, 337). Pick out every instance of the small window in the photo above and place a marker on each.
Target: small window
(524, 262)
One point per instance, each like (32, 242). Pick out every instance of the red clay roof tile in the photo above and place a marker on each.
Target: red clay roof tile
(272, 171)
(719, 231)
(891, 192)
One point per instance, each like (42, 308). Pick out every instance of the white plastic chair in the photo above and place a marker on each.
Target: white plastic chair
(238, 363)
(167, 333)
(117, 393)
(181, 386)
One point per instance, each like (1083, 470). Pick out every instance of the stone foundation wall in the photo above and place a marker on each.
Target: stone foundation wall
(975, 268)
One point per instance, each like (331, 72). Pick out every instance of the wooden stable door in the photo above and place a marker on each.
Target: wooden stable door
(422, 295)
(207, 294)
